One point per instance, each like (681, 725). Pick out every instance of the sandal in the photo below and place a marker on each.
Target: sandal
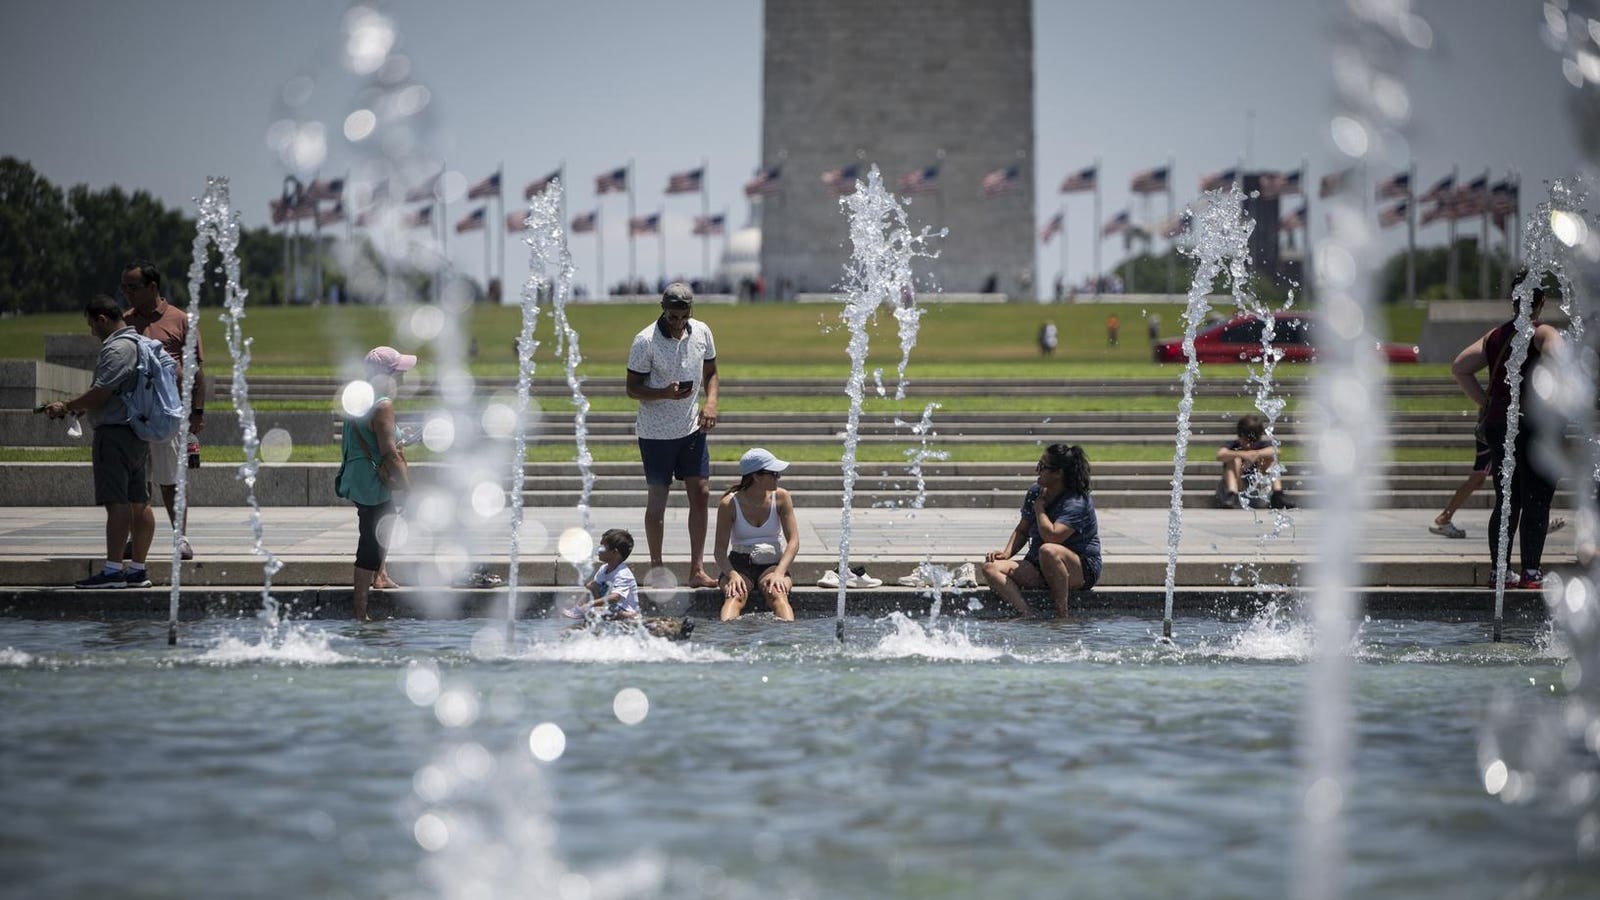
(1448, 529)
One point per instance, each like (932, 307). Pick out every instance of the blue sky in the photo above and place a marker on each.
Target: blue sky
(158, 94)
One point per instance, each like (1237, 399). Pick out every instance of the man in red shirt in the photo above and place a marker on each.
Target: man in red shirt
(152, 316)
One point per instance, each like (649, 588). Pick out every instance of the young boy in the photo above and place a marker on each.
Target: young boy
(613, 587)
(1250, 452)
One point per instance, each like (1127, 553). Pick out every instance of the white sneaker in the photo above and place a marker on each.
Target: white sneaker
(185, 552)
(966, 576)
(915, 580)
(862, 580)
(829, 579)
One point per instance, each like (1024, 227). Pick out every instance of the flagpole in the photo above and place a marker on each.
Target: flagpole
(1063, 281)
(600, 252)
(1172, 254)
(1451, 281)
(1483, 244)
(1095, 234)
(1411, 234)
(294, 257)
(705, 213)
(500, 205)
(633, 272)
(661, 235)
(1306, 281)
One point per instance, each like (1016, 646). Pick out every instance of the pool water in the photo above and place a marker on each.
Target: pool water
(1004, 759)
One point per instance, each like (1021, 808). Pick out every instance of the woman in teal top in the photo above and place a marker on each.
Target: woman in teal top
(368, 443)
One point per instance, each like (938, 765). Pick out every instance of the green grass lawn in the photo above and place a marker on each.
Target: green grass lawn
(753, 340)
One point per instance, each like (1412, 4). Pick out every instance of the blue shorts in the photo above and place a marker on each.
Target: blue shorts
(680, 458)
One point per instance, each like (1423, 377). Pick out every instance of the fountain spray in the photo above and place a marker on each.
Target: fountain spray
(878, 272)
(1221, 243)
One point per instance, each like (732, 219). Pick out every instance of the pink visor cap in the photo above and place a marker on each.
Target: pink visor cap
(390, 360)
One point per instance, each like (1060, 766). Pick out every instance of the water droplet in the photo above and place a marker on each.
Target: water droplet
(631, 706)
(547, 742)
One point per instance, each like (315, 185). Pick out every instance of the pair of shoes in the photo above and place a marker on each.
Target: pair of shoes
(1258, 503)
(1448, 529)
(858, 579)
(1281, 501)
(966, 576)
(915, 580)
(1227, 499)
(136, 578)
(1531, 580)
(105, 579)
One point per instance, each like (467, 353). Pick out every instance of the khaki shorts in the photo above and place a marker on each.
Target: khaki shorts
(165, 457)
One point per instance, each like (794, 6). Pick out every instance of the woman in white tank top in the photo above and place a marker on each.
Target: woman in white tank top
(757, 537)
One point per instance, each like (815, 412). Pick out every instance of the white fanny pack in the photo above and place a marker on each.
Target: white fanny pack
(762, 554)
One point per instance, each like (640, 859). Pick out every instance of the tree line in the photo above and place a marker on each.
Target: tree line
(60, 247)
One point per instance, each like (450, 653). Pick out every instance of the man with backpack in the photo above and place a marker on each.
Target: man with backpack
(152, 316)
(121, 457)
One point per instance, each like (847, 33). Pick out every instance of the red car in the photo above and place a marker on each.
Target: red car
(1239, 340)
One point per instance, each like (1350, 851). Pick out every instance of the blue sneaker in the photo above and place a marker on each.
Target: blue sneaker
(105, 580)
(136, 578)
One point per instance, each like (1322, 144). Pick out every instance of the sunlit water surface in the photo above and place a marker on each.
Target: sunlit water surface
(1019, 759)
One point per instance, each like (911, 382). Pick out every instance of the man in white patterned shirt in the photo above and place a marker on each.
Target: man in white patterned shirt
(669, 364)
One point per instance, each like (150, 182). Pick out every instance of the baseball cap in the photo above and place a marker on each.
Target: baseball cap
(390, 360)
(677, 292)
(758, 459)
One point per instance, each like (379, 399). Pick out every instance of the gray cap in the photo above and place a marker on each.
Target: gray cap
(760, 459)
(677, 293)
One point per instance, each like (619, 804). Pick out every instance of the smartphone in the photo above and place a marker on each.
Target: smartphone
(685, 385)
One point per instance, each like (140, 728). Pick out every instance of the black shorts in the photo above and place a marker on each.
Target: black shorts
(752, 571)
(121, 461)
(681, 458)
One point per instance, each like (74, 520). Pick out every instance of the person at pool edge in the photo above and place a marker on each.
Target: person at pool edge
(758, 537)
(669, 363)
(1062, 534)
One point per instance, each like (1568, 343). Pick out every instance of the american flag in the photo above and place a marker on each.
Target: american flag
(686, 182)
(423, 191)
(1398, 186)
(841, 180)
(1118, 222)
(1178, 224)
(517, 221)
(922, 181)
(329, 216)
(489, 187)
(1000, 181)
(1505, 197)
(537, 187)
(1051, 229)
(1081, 180)
(1440, 210)
(1441, 189)
(325, 189)
(1333, 183)
(707, 225)
(585, 223)
(1467, 205)
(612, 182)
(473, 221)
(1394, 215)
(1294, 221)
(420, 218)
(365, 217)
(650, 224)
(765, 183)
(295, 208)
(1150, 181)
(280, 210)
(1280, 184)
(1476, 187)
(1216, 181)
